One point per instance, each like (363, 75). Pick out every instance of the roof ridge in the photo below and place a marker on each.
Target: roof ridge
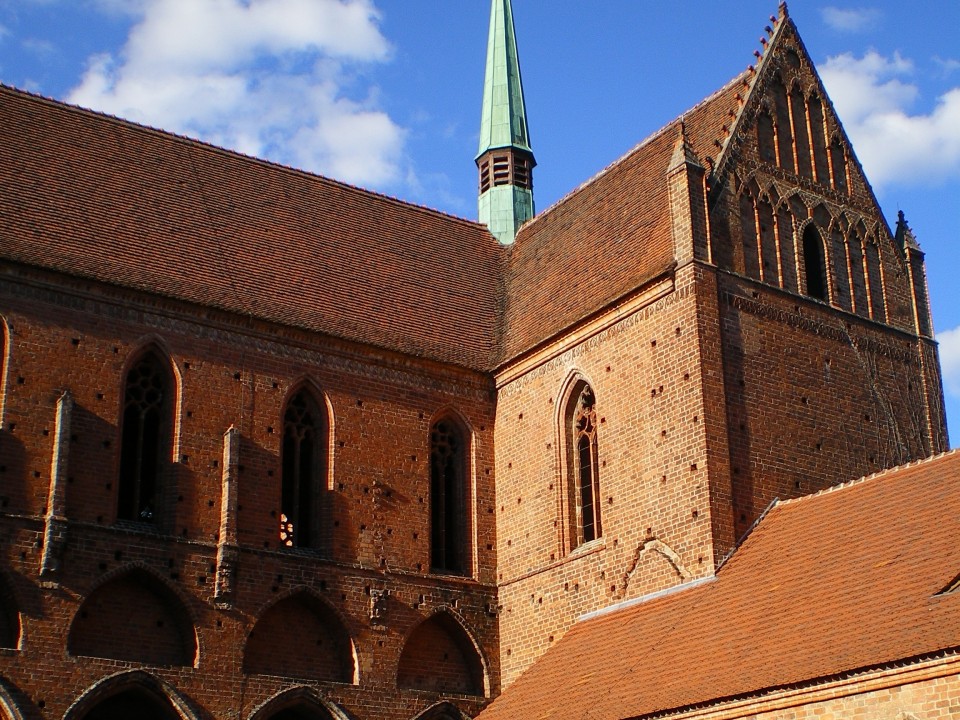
(633, 151)
(212, 147)
(872, 476)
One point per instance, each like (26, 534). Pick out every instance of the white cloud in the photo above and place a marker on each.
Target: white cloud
(873, 100)
(850, 19)
(273, 78)
(950, 360)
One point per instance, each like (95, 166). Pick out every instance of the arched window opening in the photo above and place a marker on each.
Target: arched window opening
(784, 132)
(583, 486)
(788, 247)
(769, 252)
(137, 703)
(813, 264)
(9, 618)
(878, 309)
(304, 469)
(302, 712)
(146, 438)
(449, 548)
(441, 711)
(301, 637)
(861, 302)
(841, 272)
(748, 237)
(134, 605)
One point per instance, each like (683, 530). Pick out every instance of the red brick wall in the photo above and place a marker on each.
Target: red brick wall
(814, 397)
(654, 442)
(232, 372)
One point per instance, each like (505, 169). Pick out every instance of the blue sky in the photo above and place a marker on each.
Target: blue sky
(386, 93)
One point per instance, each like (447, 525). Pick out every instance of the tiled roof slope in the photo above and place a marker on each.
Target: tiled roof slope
(825, 585)
(105, 199)
(111, 201)
(608, 237)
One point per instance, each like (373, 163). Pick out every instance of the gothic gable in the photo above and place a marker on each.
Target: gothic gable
(790, 204)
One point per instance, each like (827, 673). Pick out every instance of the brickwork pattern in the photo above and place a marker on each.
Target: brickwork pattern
(645, 374)
(120, 584)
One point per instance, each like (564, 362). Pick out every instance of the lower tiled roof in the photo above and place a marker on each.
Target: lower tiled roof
(824, 586)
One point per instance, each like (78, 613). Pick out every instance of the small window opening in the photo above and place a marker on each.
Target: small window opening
(501, 170)
(813, 263)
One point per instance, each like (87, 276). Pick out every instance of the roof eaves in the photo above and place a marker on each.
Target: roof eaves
(804, 686)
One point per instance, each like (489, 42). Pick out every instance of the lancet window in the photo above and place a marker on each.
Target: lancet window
(814, 264)
(145, 438)
(449, 546)
(305, 430)
(583, 481)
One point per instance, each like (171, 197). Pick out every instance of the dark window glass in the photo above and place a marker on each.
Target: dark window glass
(304, 467)
(448, 502)
(585, 478)
(813, 264)
(145, 439)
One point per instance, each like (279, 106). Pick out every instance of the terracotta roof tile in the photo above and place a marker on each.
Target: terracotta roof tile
(105, 199)
(108, 200)
(825, 585)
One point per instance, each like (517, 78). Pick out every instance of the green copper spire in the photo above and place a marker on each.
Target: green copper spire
(505, 159)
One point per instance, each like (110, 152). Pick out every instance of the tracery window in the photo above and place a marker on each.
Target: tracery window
(583, 486)
(449, 548)
(145, 438)
(304, 468)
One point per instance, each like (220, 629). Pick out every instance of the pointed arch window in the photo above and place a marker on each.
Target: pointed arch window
(813, 264)
(583, 477)
(449, 547)
(146, 438)
(304, 453)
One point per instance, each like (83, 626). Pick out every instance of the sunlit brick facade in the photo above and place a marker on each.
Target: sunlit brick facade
(275, 447)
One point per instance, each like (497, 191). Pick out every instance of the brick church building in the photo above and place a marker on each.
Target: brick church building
(273, 447)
